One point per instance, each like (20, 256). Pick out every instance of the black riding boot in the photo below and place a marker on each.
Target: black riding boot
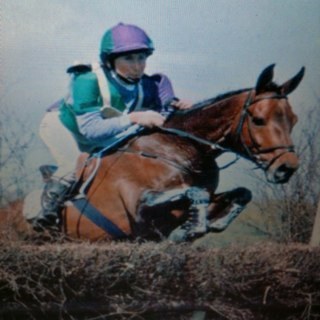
(52, 200)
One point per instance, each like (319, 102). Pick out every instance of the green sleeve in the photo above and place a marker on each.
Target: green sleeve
(86, 93)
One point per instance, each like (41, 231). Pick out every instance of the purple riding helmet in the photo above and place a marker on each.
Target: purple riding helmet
(124, 38)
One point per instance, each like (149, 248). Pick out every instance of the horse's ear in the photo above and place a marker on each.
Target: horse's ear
(292, 84)
(265, 78)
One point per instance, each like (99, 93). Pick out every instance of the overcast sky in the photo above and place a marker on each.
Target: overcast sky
(206, 47)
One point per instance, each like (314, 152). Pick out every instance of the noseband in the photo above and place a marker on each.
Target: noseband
(254, 145)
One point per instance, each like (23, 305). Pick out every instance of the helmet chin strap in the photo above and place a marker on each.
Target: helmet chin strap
(127, 80)
(121, 78)
(111, 67)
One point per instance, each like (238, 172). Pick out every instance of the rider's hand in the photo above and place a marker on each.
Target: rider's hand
(147, 119)
(181, 104)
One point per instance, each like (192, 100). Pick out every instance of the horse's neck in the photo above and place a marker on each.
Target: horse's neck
(213, 122)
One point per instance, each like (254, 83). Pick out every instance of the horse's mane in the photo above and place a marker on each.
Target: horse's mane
(218, 98)
(211, 101)
(272, 86)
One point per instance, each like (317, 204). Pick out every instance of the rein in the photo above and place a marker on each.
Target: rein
(190, 136)
(248, 149)
(156, 157)
(216, 146)
(212, 145)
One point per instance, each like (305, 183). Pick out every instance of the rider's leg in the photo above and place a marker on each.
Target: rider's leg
(65, 151)
(52, 199)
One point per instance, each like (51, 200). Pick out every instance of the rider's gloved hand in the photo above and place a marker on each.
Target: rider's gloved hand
(181, 104)
(147, 119)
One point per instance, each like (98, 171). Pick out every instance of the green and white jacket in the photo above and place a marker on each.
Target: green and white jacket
(99, 102)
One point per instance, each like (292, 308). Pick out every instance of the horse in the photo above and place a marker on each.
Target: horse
(162, 183)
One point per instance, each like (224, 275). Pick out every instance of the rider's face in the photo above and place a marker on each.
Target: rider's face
(131, 66)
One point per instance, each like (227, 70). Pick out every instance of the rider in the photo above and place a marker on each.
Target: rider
(119, 82)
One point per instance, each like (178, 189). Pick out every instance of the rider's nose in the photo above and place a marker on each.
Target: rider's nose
(137, 66)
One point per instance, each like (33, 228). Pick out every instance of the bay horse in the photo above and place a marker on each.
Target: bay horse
(161, 185)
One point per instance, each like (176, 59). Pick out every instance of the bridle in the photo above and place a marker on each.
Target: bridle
(253, 156)
(254, 145)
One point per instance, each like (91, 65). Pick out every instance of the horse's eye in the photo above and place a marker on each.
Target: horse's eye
(258, 121)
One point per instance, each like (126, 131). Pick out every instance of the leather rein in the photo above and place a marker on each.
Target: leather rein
(253, 156)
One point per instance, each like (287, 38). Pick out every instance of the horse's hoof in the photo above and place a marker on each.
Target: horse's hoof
(178, 235)
(221, 224)
(181, 235)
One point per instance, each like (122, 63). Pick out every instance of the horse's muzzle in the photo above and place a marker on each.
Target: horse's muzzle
(283, 169)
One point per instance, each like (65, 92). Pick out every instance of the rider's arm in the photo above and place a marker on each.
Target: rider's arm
(169, 101)
(87, 103)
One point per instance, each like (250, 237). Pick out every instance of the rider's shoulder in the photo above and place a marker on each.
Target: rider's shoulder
(159, 79)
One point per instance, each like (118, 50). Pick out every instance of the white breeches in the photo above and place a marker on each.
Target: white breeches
(61, 144)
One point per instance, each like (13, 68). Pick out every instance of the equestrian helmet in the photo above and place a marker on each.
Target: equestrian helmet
(124, 38)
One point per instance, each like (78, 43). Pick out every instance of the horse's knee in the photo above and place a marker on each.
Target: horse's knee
(241, 196)
(148, 198)
(198, 196)
(157, 198)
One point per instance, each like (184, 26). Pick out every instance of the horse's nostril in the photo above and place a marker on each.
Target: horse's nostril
(283, 173)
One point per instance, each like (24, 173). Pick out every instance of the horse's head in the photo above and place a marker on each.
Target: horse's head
(265, 126)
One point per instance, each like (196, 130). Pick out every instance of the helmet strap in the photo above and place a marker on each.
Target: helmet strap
(126, 80)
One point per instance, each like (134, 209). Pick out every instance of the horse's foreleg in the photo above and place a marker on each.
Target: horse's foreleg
(226, 207)
(194, 199)
(197, 222)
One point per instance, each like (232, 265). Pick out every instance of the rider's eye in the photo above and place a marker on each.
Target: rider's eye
(128, 57)
(258, 121)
